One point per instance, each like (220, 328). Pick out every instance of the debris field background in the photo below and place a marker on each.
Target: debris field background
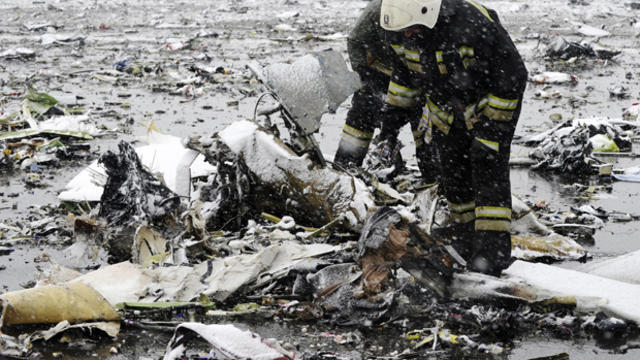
(75, 45)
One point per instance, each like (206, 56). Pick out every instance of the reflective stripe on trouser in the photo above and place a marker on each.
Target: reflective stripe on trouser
(353, 146)
(494, 108)
(462, 213)
(493, 218)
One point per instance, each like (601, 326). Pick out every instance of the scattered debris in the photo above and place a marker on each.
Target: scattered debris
(551, 77)
(132, 194)
(386, 239)
(632, 112)
(631, 174)
(565, 50)
(244, 153)
(587, 30)
(18, 53)
(618, 91)
(568, 147)
(227, 341)
(48, 39)
(74, 302)
(157, 235)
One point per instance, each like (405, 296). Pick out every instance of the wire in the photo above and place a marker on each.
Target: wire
(255, 109)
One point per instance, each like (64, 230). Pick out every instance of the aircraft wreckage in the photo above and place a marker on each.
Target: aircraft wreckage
(244, 214)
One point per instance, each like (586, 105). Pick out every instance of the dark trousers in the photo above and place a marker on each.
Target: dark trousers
(474, 168)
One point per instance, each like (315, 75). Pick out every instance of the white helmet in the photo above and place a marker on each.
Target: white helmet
(400, 14)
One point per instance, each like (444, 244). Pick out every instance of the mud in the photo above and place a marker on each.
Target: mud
(235, 33)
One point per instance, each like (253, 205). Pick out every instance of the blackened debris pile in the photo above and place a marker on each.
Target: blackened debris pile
(131, 192)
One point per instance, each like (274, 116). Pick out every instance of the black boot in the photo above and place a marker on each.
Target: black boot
(493, 252)
(459, 236)
(350, 155)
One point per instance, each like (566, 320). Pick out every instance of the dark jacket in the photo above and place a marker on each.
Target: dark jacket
(466, 64)
(367, 44)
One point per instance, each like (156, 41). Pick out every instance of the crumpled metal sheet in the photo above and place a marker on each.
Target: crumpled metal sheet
(290, 184)
(164, 155)
(312, 85)
(592, 293)
(622, 268)
(380, 245)
(147, 243)
(118, 283)
(110, 328)
(554, 246)
(376, 230)
(226, 341)
(530, 239)
(218, 278)
(337, 293)
(12, 347)
(562, 49)
(223, 277)
(391, 241)
(631, 174)
(565, 153)
(327, 280)
(74, 302)
(377, 263)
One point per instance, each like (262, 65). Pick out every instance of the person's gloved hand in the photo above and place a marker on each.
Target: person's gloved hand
(387, 153)
(385, 161)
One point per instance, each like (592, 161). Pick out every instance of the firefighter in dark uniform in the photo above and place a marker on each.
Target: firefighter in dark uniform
(371, 57)
(456, 55)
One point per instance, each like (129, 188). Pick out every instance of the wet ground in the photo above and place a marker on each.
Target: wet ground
(229, 34)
